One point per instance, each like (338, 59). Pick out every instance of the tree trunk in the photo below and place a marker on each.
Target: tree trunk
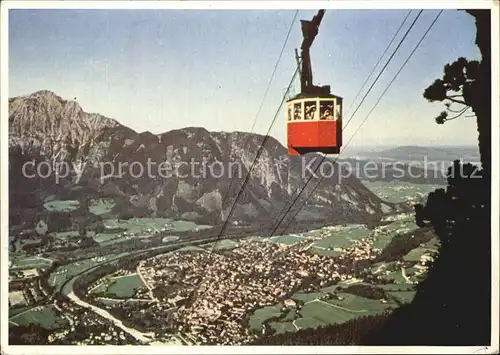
(482, 108)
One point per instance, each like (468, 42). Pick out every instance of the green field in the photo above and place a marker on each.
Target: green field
(169, 239)
(398, 227)
(334, 241)
(398, 191)
(340, 239)
(142, 225)
(70, 237)
(30, 262)
(284, 327)
(291, 315)
(62, 205)
(108, 238)
(430, 248)
(66, 272)
(315, 314)
(286, 239)
(403, 225)
(110, 302)
(261, 315)
(66, 238)
(395, 276)
(415, 254)
(253, 238)
(191, 248)
(433, 244)
(78, 267)
(310, 296)
(382, 240)
(403, 296)
(65, 235)
(101, 206)
(16, 311)
(358, 304)
(45, 316)
(306, 297)
(50, 198)
(134, 227)
(386, 233)
(124, 287)
(323, 252)
(224, 244)
(99, 289)
(308, 322)
(137, 225)
(333, 287)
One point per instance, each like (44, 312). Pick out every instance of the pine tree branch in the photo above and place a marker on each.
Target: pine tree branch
(457, 116)
(458, 111)
(455, 100)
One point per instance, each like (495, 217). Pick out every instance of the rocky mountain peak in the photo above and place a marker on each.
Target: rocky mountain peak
(46, 124)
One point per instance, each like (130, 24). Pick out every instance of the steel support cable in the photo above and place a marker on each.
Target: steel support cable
(354, 113)
(242, 188)
(388, 46)
(385, 66)
(275, 69)
(257, 156)
(379, 60)
(229, 189)
(259, 151)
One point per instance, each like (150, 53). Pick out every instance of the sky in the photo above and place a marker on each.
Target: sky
(158, 70)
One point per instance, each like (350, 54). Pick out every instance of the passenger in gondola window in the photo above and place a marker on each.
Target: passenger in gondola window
(297, 112)
(329, 112)
(325, 111)
(310, 111)
(313, 113)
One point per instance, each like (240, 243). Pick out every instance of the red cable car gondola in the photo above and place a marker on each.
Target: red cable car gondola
(314, 117)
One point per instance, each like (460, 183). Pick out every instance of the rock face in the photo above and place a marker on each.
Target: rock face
(189, 173)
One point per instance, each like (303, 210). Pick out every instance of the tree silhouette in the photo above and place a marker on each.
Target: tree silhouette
(441, 312)
(456, 87)
(466, 85)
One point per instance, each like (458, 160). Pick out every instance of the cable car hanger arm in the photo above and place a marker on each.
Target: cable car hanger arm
(309, 32)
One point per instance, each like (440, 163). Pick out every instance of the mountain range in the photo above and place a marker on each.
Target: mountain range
(189, 174)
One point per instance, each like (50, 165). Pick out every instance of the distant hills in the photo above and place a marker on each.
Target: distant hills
(422, 153)
(413, 164)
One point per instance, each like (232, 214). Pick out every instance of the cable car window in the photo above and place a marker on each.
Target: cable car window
(326, 110)
(297, 111)
(310, 108)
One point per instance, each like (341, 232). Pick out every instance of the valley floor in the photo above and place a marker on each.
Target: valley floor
(235, 290)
